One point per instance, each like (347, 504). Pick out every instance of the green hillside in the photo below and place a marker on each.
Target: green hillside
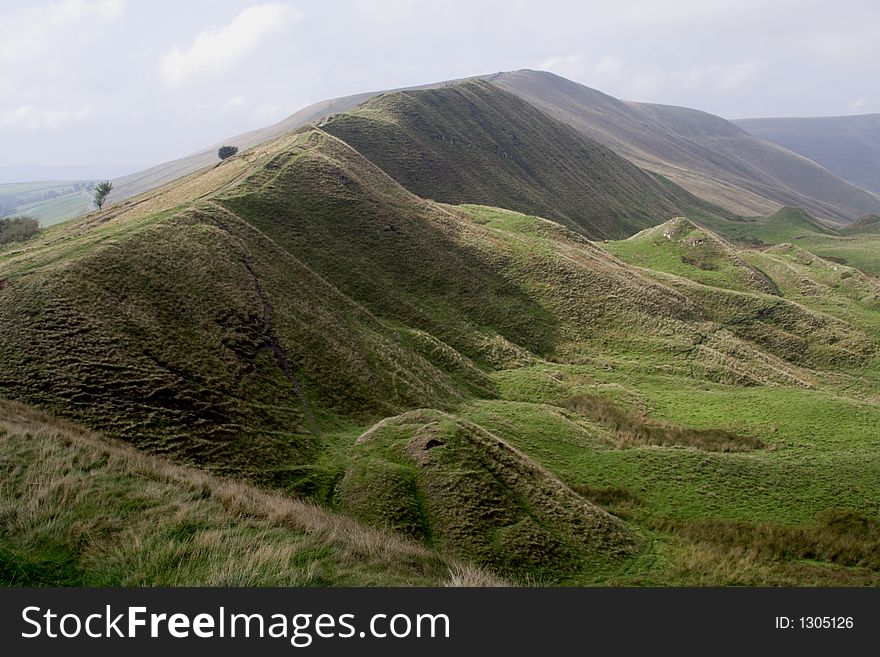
(496, 387)
(707, 155)
(856, 245)
(475, 143)
(867, 225)
(681, 247)
(785, 225)
(81, 510)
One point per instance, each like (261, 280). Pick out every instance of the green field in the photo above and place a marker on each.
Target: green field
(855, 245)
(49, 202)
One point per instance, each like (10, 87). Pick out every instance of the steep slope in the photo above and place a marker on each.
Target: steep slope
(705, 154)
(474, 143)
(849, 146)
(191, 333)
(230, 318)
(149, 179)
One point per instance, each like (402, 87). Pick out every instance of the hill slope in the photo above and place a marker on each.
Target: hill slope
(679, 246)
(474, 143)
(149, 179)
(705, 154)
(256, 318)
(867, 225)
(79, 510)
(846, 145)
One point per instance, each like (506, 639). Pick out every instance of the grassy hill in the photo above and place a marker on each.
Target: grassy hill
(81, 510)
(450, 482)
(493, 385)
(785, 225)
(474, 143)
(704, 154)
(681, 247)
(149, 179)
(849, 146)
(711, 157)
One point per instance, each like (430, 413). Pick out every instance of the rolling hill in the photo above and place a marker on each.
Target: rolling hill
(849, 146)
(100, 513)
(320, 321)
(711, 157)
(702, 153)
(855, 245)
(474, 143)
(679, 246)
(148, 179)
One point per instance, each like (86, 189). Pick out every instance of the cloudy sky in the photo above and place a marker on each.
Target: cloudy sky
(100, 87)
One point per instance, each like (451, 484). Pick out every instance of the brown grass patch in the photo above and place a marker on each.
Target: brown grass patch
(631, 429)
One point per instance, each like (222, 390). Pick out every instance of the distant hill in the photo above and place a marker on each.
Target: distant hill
(705, 154)
(49, 202)
(475, 143)
(846, 145)
(867, 225)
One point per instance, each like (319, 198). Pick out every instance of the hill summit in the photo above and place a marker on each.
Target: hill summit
(475, 143)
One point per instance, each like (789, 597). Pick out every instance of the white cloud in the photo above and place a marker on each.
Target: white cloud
(216, 49)
(29, 32)
(610, 67)
(235, 104)
(37, 119)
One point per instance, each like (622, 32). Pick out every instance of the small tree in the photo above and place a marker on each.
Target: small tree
(102, 190)
(227, 151)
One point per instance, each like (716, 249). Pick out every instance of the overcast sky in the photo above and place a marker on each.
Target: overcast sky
(104, 86)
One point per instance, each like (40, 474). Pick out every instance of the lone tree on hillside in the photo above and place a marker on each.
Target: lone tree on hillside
(227, 151)
(102, 190)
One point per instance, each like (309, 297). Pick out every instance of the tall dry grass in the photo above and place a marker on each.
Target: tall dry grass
(77, 508)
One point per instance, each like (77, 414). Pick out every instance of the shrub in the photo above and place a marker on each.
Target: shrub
(227, 151)
(18, 229)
